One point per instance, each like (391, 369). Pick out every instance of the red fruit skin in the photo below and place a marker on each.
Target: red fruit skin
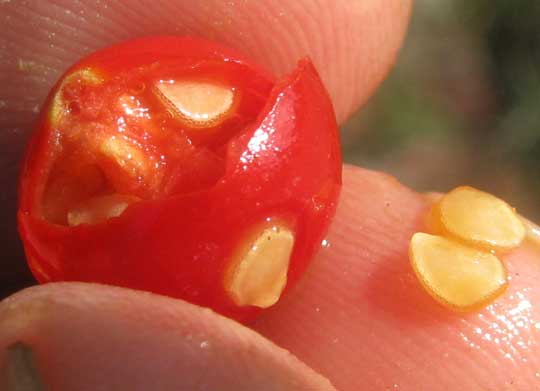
(285, 167)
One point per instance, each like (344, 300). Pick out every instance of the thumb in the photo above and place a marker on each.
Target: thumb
(71, 336)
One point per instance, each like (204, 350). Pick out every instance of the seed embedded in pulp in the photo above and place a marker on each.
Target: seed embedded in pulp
(259, 277)
(200, 104)
(460, 277)
(128, 158)
(99, 209)
(481, 219)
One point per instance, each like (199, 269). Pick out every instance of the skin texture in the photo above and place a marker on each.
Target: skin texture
(358, 317)
(170, 345)
(373, 318)
(375, 326)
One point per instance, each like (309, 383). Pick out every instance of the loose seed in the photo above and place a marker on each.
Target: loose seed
(481, 219)
(533, 231)
(460, 277)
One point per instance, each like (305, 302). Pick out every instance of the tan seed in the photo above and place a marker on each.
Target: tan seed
(99, 209)
(260, 275)
(458, 276)
(200, 104)
(481, 219)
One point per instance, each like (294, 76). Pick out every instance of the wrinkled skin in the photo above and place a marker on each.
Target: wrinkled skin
(358, 319)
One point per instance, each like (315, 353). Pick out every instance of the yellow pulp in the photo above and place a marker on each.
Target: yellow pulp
(480, 219)
(458, 276)
(260, 275)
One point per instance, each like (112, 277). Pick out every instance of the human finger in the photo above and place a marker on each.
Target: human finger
(361, 318)
(73, 336)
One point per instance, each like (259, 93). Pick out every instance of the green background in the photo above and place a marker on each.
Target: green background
(461, 105)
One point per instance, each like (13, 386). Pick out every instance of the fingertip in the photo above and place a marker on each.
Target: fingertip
(377, 328)
(89, 337)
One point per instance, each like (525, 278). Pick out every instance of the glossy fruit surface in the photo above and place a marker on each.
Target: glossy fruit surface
(156, 162)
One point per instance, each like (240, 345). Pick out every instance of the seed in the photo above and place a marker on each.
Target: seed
(99, 209)
(200, 104)
(125, 156)
(481, 219)
(460, 277)
(533, 231)
(259, 276)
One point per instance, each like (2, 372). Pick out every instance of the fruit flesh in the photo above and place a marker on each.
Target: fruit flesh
(82, 77)
(480, 219)
(118, 142)
(460, 277)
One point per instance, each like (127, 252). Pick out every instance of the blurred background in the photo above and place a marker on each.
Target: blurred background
(462, 104)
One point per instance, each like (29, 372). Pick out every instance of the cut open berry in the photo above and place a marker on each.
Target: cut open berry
(154, 157)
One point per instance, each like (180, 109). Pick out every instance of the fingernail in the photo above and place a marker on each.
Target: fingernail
(21, 371)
